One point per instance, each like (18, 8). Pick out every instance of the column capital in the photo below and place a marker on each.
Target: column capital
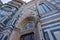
(20, 1)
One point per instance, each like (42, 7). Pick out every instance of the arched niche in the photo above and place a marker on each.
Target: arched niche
(16, 35)
(33, 29)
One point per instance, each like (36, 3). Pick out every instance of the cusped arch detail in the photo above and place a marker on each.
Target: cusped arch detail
(26, 20)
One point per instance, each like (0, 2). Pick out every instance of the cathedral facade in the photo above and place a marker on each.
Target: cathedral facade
(35, 20)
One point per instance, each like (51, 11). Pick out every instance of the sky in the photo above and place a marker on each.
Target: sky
(5, 1)
(26, 0)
